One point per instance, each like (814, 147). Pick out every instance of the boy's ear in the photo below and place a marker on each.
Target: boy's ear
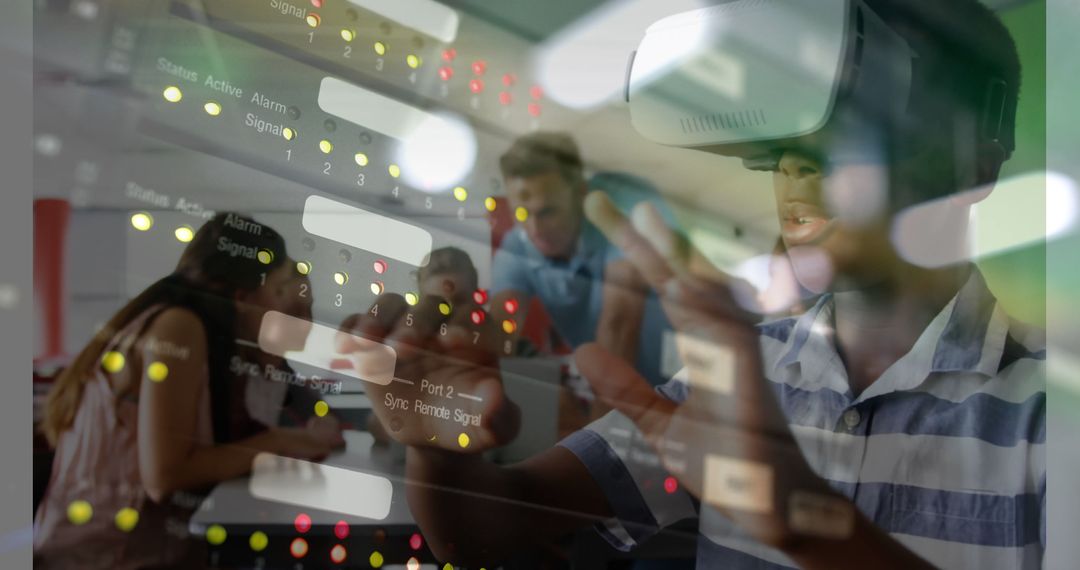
(989, 158)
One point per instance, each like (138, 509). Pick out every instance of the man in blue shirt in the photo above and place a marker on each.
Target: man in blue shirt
(556, 255)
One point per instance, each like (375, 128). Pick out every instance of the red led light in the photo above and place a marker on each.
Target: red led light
(671, 485)
(509, 79)
(446, 72)
(298, 548)
(477, 316)
(536, 92)
(480, 296)
(479, 67)
(449, 54)
(341, 530)
(317, 3)
(534, 109)
(476, 86)
(379, 266)
(302, 523)
(511, 306)
(416, 541)
(505, 98)
(338, 554)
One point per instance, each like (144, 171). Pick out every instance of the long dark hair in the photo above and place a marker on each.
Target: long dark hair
(229, 253)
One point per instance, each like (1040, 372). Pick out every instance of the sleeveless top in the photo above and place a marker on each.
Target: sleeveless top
(97, 461)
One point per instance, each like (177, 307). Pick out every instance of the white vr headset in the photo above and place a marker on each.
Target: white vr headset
(748, 77)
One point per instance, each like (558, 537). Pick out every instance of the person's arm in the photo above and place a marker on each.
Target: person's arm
(621, 312)
(170, 458)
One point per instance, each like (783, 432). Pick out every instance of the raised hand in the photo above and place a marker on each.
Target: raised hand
(447, 391)
(729, 443)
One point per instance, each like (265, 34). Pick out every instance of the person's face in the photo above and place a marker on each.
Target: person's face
(828, 251)
(555, 211)
(454, 287)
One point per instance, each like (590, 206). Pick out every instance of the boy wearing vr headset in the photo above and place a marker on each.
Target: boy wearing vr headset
(899, 423)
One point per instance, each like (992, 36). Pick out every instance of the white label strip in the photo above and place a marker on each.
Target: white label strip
(313, 344)
(372, 110)
(317, 486)
(431, 18)
(366, 230)
(737, 484)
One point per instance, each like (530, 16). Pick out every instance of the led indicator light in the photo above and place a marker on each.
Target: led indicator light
(376, 559)
(112, 362)
(184, 234)
(302, 523)
(288, 133)
(460, 194)
(490, 204)
(446, 72)
(412, 298)
(534, 109)
(265, 256)
(216, 534)
(521, 214)
(79, 512)
(380, 48)
(317, 3)
(413, 61)
(379, 266)
(412, 564)
(505, 98)
(341, 530)
(536, 92)
(142, 221)
(476, 86)
(511, 306)
(394, 170)
(361, 159)
(416, 541)
(479, 67)
(444, 308)
(477, 316)
(449, 54)
(303, 267)
(126, 519)
(463, 440)
(258, 541)
(172, 94)
(480, 296)
(509, 79)
(347, 34)
(313, 20)
(298, 548)
(509, 326)
(212, 108)
(671, 485)
(326, 146)
(322, 408)
(341, 278)
(157, 372)
(377, 288)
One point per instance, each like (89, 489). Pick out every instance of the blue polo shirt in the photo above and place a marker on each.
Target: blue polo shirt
(572, 290)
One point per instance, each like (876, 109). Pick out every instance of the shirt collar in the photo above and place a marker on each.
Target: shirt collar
(967, 335)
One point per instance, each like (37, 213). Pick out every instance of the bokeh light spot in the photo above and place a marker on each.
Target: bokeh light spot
(79, 512)
(157, 371)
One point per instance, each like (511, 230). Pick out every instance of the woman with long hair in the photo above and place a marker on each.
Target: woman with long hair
(156, 408)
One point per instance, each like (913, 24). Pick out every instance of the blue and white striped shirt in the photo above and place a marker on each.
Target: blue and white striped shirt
(945, 451)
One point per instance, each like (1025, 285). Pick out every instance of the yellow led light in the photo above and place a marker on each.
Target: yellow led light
(288, 133)
(258, 541)
(412, 298)
(376, 288)
(376, 559)
(461, 194)
(184, 234)
(216, 534)
(444, 308)
(394, 170)
(347, 34)
(326, 146)
(509, 326)
(157, 371)
(80, 512)
(463, 440)
(303, 267)
(112, 362)
(265, 256)
(172, 94)
(212, 108)
(448, 566)
(490, 203)
(380, 48)
(521, 214)
(413, 61)
(126, 519)
(361, 159)
(341, 278)
(313, 20)
(321, 408)
(142, 221)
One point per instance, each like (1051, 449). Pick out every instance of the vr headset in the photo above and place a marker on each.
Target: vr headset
(750, 78)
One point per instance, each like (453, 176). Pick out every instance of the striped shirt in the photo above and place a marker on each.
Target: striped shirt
(945, 451)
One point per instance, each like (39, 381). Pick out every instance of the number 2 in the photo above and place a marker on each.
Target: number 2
(348, 51)
(303, 289)
(326, 168)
